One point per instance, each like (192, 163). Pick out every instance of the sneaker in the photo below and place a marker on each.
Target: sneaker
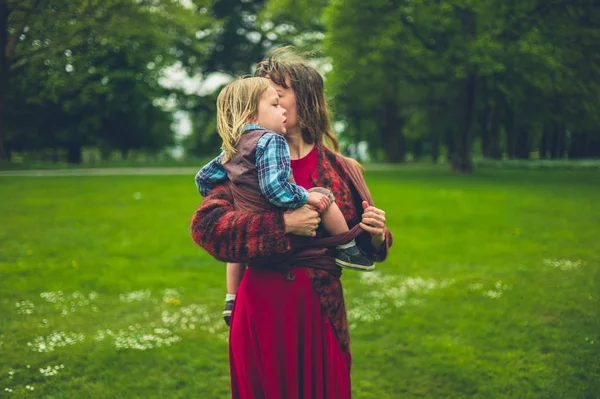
(227, 312)
(353, 258)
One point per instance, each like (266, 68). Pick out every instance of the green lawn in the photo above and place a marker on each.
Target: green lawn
(491, 290)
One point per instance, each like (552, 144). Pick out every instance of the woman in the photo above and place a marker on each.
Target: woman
(289, 333)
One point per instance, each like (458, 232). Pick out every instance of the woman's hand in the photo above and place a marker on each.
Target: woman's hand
(373, 222)
(302, 221)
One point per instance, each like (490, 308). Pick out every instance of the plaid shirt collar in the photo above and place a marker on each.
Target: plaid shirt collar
(253, 126)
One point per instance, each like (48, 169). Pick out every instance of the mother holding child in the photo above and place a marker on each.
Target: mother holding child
(265, 197)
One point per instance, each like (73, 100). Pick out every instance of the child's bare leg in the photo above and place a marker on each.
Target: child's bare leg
(333, 220)
(234, 274)
(349, 255)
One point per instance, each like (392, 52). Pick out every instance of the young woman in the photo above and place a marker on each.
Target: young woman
(289, 337)
(256, 159)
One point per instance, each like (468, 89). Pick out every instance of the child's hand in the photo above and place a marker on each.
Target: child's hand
(321, 201)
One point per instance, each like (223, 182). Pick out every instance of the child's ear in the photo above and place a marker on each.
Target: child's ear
(252, 119)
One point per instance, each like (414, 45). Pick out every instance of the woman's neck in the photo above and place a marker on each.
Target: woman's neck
(298, 147)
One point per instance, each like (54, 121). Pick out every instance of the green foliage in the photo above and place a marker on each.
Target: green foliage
(399, 62)
(89, 72)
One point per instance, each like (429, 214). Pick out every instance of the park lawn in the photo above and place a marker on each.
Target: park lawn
(491, 289)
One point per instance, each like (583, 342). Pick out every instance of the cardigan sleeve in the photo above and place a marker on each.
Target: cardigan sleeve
(364, 239)
(236, 236)
(379, 255)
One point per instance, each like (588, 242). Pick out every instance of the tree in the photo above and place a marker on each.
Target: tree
(96, 60)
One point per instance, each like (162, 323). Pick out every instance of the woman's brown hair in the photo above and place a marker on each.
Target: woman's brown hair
(285, 63)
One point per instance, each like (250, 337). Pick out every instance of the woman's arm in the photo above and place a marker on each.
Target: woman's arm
(234, 236)
(365, 241)
(376, 238)
(373, 222)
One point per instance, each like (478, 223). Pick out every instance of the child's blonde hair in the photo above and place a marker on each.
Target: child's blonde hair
(237, 103)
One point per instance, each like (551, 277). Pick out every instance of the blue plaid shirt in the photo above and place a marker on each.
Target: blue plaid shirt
(273, 166)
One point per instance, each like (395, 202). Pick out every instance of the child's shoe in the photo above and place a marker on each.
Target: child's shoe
(353, 258)
(227, 312)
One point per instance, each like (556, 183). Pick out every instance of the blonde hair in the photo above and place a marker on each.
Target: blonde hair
(236, 104)
(313, 116)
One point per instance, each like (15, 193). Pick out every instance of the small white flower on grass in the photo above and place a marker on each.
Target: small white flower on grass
(8, 390)
(25, 307)
(499, 289)
(141, 340)
(102, 334)
(29, 387)
(496, 292)
(51, 370)
(135, 296)
(475, 286)
(389, 292)
(563, 264)
(68, 304)
(53, 296)
(493, 294)
(55, 340)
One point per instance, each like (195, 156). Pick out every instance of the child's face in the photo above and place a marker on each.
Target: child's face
(270, 114)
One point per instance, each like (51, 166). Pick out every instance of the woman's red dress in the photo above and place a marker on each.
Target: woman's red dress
(281, 343)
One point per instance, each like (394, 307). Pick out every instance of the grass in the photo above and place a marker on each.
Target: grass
(491, 289)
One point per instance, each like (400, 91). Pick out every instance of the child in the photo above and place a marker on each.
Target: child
(257, 158)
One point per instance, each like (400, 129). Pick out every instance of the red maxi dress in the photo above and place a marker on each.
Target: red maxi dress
(281, 343)
(289, 338)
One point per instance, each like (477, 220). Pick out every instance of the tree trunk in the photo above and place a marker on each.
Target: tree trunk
(483, 119)
(393, 139)
(449, 142)
(557, 142)
(494, 149)
(509, 128)
(395, 146)
(417, 149)
(356, 120)
(462, 158)
(74, 154)
(578, 146)
(4, 73)
(435, 147)
(593, 145)
(105, 153)
(434, 134)
(485, 131)
(522, 143)
(545, 141)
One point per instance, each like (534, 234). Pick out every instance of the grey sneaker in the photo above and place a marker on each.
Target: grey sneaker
(227, 312)
(353, 258)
